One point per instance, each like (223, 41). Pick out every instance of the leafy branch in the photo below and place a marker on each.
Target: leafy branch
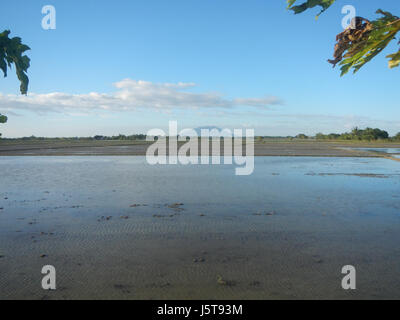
(324, 4)
(3, 119)
(11, 52)
(362, 41)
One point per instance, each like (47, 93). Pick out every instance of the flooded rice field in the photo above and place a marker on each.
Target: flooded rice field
(115, 227)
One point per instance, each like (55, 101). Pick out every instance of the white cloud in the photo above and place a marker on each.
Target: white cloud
(257, 102)
(130, 95)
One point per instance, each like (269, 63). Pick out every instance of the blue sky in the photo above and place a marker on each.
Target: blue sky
(127, 66)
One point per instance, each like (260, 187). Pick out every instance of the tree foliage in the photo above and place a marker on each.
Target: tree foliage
(301, 136)
(362, 41)
(11, 52)
(324, 4)
(3, 119)
(368, 134)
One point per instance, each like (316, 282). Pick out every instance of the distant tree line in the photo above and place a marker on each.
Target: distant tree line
(97, 137)
(368, 134)
(121, 137)
(356, 134)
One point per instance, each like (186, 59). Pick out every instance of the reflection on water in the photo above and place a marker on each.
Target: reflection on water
(385, 150)
(116, 227)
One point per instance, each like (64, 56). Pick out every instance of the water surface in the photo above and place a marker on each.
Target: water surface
(116, 227)
(385, 150)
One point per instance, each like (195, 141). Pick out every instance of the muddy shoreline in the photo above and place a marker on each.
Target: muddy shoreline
(118, 148)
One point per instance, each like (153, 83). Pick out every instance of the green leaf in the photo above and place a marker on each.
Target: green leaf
(3, 119)
(395, 59)
(324, 4)
(11, 52)
(356, 47)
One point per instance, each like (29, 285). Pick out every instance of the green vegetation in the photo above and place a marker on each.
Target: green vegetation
(301, 136)
(356, 134)
(11, 52)
(3, 119)
(120, 137)
(367, 134)
(362, 41)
